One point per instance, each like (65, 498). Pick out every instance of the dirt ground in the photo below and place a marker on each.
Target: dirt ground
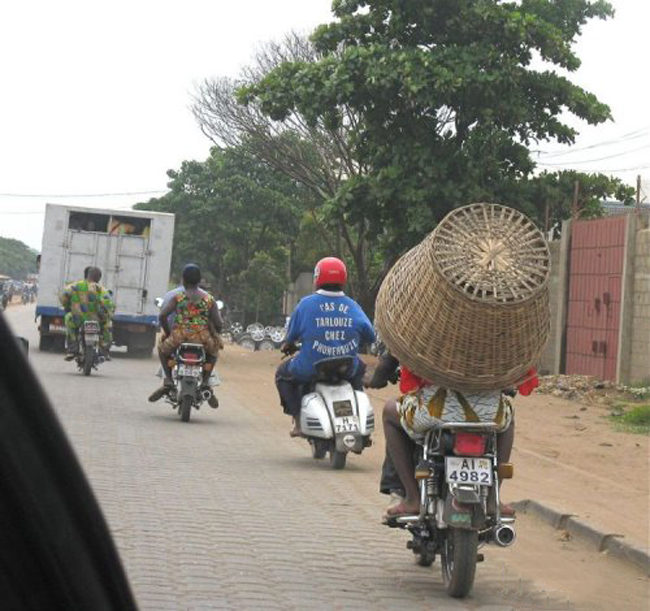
(567, 456)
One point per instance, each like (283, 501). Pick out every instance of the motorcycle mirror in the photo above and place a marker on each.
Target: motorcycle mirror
(220, 304)
(158, 301)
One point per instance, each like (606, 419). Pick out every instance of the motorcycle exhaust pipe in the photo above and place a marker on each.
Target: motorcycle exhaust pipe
(206, 394)
(504, 535)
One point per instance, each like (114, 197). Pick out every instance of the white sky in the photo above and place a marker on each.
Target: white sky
(94, 97)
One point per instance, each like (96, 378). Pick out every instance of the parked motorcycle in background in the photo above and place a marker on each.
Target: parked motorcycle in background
(459, 477)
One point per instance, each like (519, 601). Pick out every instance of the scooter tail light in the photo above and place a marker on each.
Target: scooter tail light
(469, 444)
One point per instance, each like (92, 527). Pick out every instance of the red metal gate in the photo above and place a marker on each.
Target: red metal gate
(595, 288)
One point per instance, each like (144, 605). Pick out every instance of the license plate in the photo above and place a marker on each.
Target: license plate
(56, 329)
(346, 424)
(189, 370)
(342, 408)
(468, 470)
(91, 338)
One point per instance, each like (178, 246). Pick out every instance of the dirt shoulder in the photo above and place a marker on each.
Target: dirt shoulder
(567, 455)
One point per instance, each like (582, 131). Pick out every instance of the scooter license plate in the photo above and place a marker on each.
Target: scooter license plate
(189, 370)
(91, 338)
(468, 470)
(346, 424)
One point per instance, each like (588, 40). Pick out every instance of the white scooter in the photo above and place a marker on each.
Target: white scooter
(334, 417)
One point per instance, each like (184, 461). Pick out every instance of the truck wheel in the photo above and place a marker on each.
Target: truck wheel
(139, 352)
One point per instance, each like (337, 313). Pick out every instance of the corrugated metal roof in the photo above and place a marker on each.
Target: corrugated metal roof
(615, 207)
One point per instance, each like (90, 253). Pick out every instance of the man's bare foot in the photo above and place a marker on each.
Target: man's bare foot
(295, 432)
(405, 508)
(507, 511)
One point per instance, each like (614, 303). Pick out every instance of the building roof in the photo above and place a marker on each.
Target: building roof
(614, 207)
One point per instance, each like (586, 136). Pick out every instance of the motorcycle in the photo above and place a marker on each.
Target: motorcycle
(458, 477)
(89, 356)
(334, 417)
(187, 372)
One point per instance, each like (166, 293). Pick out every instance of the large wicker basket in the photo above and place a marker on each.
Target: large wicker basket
(468, 307)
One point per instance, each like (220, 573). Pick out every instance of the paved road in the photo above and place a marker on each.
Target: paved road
(227, 512)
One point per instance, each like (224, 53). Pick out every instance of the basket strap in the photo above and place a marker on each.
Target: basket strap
(501, 412)
(470, 414)
(437, 403)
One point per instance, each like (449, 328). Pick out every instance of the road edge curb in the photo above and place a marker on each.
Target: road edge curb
(603, 542)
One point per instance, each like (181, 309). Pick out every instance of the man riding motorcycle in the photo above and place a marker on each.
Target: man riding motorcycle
(328, 324)
(84, 300)
(397, 476)
(196, 320)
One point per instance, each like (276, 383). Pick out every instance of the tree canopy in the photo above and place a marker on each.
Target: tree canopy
(448, 95)
(397, 112)
(239, 220)
(16, 259)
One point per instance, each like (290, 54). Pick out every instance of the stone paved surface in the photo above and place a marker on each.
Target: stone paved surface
(228, 512)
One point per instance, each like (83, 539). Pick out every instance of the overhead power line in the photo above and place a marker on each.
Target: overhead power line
(70, 195)
(582, 161)
(600, 170)
(633, 135)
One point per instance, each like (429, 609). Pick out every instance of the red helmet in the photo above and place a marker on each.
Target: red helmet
(330, 270)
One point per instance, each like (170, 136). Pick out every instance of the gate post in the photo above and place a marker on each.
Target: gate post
(624, 356)
(562, 298)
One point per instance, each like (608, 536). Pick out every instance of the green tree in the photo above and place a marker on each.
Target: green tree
(231, 209)
(446, 100)
(16, 259)
(553, 197)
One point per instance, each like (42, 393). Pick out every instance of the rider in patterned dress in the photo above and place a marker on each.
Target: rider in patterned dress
(196, 320)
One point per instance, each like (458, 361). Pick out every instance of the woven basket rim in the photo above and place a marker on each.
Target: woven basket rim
(487, 302)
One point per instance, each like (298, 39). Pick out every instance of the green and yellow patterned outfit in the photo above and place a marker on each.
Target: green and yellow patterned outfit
(82, 301)
(107, 326)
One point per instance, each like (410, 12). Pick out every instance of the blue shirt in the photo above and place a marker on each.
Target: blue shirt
(169, 295)
(329, 325)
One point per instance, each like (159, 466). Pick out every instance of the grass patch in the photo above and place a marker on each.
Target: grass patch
(632, 418)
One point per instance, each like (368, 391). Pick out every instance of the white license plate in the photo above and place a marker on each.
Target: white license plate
(56, 329)
(346, 424)
(468, 470)
(91, 338)
(189, 370)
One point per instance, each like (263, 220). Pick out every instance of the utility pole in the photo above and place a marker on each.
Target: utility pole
(547, 220)
(638, 193)
(576, 195)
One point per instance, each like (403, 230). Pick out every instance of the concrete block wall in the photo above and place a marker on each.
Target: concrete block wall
(640, 345)
(548, 363)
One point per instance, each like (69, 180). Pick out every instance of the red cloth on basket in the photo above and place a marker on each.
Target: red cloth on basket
(530, 383)
(409, 382)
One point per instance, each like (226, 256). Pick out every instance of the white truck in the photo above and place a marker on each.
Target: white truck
(132, 248)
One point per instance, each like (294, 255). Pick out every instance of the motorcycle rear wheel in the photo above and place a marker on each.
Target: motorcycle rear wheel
(185, 408)
(88, 362)
(458, 561)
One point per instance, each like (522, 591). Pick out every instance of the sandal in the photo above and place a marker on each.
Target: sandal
(401, 509)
